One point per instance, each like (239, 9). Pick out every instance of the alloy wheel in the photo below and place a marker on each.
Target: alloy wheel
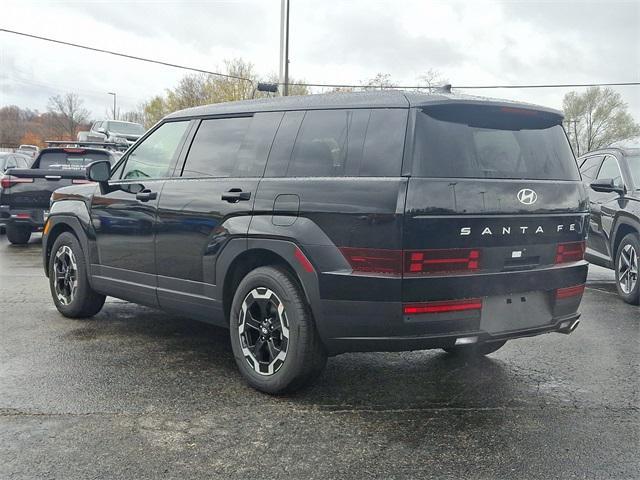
(628, 269)
(65, 271)
(264, 331)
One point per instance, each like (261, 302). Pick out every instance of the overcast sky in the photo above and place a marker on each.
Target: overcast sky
(472, 43)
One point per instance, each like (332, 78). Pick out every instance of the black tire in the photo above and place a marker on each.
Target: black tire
(18, 234)
(475, 349)
(84, 302)
(627, 282)
(305, 356)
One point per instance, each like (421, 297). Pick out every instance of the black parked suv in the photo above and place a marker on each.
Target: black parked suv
(614, 227)
(316, 225)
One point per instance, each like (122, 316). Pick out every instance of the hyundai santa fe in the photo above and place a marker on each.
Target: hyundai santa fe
(311, 226)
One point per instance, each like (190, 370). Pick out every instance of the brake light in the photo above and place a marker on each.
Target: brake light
(21, 216)
(568, 292)
(9, 181)
(441, 260)
(373, 260)
(443, 306)
(519, 111)
(74, 150)
(80, 180)
(570, 252)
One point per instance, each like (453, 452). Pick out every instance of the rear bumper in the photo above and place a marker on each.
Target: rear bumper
(31, 217)
(514, 304)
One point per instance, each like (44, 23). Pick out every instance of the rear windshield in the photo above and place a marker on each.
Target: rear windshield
(70, 159)
(491, 142)
(126, 128)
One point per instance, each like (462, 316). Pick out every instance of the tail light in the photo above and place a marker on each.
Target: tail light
(570, 252)
(568, 292)
(80, 180)
(412, 262)
(441, 260)
(374, 260)
(442, 306)
(9, 181)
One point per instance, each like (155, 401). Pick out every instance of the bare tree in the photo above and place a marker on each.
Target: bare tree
(381, 81)
(68, 112)
(431, 79)
(597, 118)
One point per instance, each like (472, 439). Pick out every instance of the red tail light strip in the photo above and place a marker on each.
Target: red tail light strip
(9, 181)
(443, 306)
(417, 262)
(374, 260)
(303, 260)
(441, 260)
(570, 291)
(570, 252)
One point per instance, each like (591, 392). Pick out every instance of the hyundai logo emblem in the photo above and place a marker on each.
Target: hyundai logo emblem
(527, 196)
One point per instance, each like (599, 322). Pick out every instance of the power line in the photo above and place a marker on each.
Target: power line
(324, 85)
(125, 55)
(426, 87)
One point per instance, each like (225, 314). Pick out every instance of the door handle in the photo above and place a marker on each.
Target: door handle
(235, 195)
(146, 195)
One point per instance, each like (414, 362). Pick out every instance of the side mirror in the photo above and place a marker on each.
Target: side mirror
(607, 185)
(100, 130)
(99, 171)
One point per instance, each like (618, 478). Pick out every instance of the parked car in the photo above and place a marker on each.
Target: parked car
(614, 227)
(12, 160)
(25, 192)
(126, 133)
(311, 226)
(28, 150)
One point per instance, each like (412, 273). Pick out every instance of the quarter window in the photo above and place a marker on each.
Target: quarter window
(154, 157)
(610, 169)
(589, 168)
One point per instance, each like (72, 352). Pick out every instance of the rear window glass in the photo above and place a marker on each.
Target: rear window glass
(491, 142)
(70, 160)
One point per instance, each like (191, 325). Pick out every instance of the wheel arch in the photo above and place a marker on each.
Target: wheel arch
(234, 266)
(57, 225)
(624, 226)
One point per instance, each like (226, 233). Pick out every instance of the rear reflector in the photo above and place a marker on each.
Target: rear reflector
(570, 291)
(303, 260)
(570, 252)
(21, 216)
(443, 306)
(373, 260)
(441, 260)
(9, 181)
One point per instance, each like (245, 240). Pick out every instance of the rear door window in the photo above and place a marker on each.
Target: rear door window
(461, 141)
(338, 143)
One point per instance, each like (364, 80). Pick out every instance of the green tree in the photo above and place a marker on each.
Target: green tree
(596, 119)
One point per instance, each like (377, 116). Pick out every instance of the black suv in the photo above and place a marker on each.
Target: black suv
(316, 225)
(614, 227)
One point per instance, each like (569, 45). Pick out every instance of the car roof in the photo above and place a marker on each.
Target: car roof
(367, 99)
(626, 151)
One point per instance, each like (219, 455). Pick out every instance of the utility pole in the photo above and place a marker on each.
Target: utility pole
(284, 46)
(114, 104)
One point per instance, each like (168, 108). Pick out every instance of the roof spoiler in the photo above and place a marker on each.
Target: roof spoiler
(75, 143)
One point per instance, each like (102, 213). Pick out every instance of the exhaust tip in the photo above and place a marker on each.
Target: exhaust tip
(568, 327)
(574, 325)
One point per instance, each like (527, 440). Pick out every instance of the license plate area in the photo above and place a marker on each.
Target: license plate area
(518, 311)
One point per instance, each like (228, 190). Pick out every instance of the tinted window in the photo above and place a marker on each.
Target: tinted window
(283, 144)
(229, 147)
(589, 168)
(633, 161)
(334, 143)
(154, 156)
(70, 159)
(491, 142)
(610, 169)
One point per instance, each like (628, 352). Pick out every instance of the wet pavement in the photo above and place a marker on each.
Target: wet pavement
(136, 393)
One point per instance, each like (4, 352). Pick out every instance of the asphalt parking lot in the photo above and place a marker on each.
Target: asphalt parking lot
(136, 393)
